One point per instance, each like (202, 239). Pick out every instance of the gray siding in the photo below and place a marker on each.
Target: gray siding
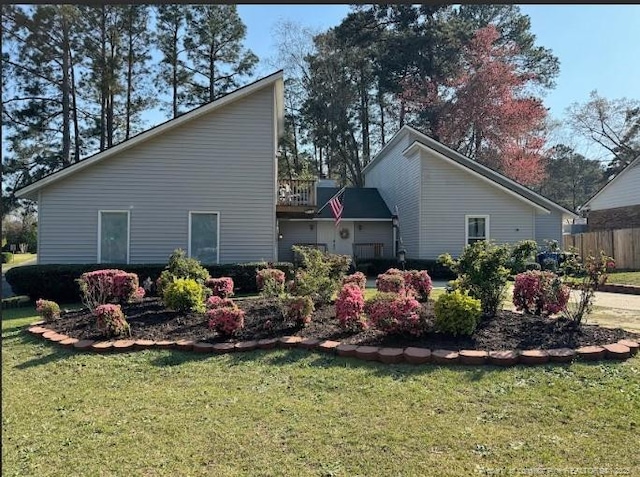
(375, 232)
(398, 181)
(449, 193)
(221, 162)
(624, 191)
(294, 233)
(549, 227)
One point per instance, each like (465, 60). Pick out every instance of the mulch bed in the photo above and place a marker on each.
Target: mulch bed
(508, 330)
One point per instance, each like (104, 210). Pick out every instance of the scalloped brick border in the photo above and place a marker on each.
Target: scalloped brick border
(621, 350)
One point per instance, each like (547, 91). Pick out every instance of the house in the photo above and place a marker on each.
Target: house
(445, 200)
(617, 204)
(207, 182)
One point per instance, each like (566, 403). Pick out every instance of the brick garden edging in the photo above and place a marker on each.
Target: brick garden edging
(621, 350)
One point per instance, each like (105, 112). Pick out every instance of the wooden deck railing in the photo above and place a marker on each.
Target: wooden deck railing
(297, 192)
(368, 250)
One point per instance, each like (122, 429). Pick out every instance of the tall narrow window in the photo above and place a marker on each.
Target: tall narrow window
(113, 236)
(477, 228)
(203, 236)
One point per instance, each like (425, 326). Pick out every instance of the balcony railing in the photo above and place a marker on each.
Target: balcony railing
(297, 193)
(368, 250)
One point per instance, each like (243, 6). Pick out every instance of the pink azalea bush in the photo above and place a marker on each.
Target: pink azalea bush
(111, 320)
(540, 293)
(48, 310)
(106, 286)
(358, 278)
(139, 294)
(350, 307)
(270, 282)
(298, 309)
(393, 313)
(214, 302)
(419, 283)
(390, 282)
(222, 287)
(227, 321)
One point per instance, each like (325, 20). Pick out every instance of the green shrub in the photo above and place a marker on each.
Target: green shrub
(457, 313)
(298, 309)
(48, 310)
(270, 282)
(181, 266)
(436, 270)
(521, 254)
(483, 270)
(7, 257)
(58, 282)
(185, 294)
(111, 321)
(321, 273)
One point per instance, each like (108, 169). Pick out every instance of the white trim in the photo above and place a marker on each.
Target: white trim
(100, 212)
(217, 230)
(153, 132)
(417, 147)
(631, 165)
(487, 229)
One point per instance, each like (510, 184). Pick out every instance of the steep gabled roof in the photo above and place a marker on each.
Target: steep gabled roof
(494, 177)
(631, 165)
(275, 78)
(358, 202)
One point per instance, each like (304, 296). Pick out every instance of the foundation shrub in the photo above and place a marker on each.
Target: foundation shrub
(226, 320)
(395, 314)
(184, 294)
(111, 321)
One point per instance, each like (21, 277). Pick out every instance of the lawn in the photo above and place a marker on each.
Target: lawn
(291, 412)
(625, 278)
(18, 259)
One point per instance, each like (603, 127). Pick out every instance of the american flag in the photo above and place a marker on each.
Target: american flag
(336, 208)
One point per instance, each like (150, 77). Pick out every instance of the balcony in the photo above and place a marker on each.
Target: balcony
(296, 196)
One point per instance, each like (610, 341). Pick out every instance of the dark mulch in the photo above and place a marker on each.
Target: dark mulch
(508, 330)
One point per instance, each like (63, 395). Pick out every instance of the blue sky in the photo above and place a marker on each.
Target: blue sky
(598, 45)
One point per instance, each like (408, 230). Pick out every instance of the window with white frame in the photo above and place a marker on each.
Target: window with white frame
(113, 236)
(204, 236)
(477, 228)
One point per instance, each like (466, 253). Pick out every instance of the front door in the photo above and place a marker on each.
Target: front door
(338, 239)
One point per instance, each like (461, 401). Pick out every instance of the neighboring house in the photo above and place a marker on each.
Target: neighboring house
(446, 200)
(204, 182)
(617, 204)
(207, 182)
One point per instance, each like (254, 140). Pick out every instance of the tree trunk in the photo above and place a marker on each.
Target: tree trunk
(130, 60)
(381, 105)
(103, 78)
(212, 72)
(76, 127)
(66, 92)
(174, 65)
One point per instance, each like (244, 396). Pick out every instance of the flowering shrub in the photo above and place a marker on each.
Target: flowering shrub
(105, 286)
(457, 313)
(298, 309)
(111, 321)
(270, 282)
(216, 302)
(48, 310)
(394, 313)
(184, 294)
(222, 287)
(226, 321)
(540, 293)
(358, 278)
(350, 307)
(139, 294)
(596, 271)
(394, 271)
(418, 282)
(390, 282)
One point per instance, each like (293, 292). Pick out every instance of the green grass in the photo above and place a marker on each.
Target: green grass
(291, 412)
(18, 259)
(625, 278)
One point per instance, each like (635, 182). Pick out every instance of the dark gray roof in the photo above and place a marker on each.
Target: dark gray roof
(358, 202)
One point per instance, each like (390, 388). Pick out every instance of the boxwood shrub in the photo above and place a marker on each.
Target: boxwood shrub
(58, 282)
(376, 266)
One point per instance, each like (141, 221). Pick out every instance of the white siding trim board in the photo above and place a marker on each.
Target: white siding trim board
(209, 212)
(100, 212)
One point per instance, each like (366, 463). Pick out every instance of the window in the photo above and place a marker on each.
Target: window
(477, 228)
(204, 236)
(113, 236)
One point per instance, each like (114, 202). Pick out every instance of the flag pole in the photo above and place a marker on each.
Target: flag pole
(332, 197)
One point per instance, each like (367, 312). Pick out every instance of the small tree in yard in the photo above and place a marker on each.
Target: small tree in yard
(320, 275)
(483, 270)
(596, 270)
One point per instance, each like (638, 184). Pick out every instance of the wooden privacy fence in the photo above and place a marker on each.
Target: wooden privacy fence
(621, 244)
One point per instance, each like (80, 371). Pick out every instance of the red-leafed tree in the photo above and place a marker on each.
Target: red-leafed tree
(486, 113)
